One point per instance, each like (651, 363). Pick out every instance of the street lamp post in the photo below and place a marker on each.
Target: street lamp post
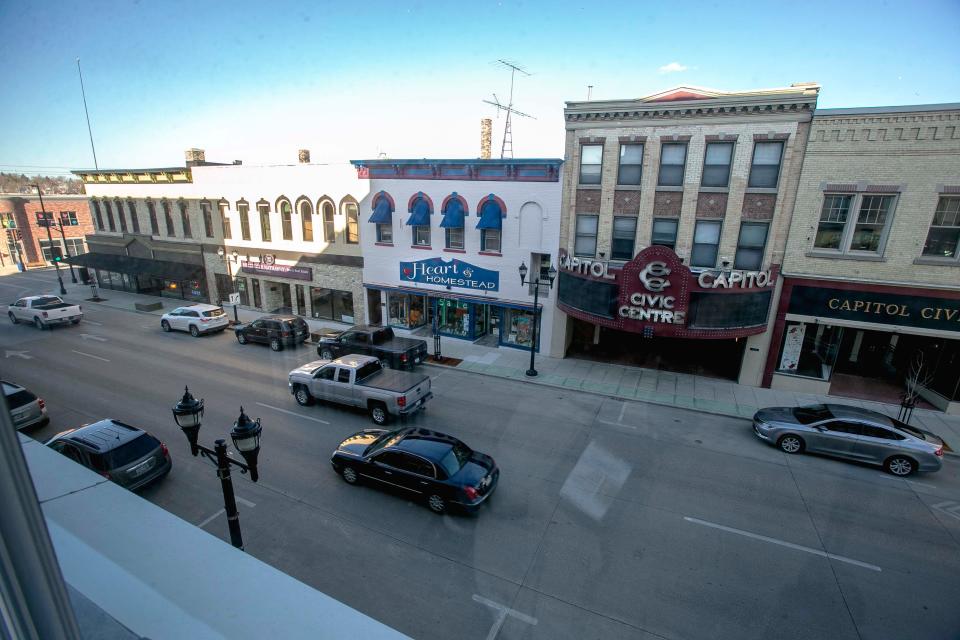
(188, 413)
(537, 283)
(46, 223)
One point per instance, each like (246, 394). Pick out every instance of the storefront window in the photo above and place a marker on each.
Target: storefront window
(331, 304)
(453, 317)
(257, 302)
(406, 310)
(517, 328)
(809, 349)
(241, 284)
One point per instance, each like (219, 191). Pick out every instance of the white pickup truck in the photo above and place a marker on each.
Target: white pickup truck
(44, 311)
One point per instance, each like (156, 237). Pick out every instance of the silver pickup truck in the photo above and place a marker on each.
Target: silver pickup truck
(361, 381)
(44, 311)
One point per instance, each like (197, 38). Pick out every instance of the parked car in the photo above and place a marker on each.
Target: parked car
(851, 433)
(197, 319)
(119, 452)
(44, 311)
(278, 331)
(432, 466)
(361, 381)
(394, 352)
(26, 409)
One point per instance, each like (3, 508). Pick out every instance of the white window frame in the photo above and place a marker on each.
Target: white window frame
(753, 158)
(487, 237)
(614, 238)
(850, 225)
(694, 245)
(385, 232)
(621, 164)
(946, 259)
(599, 165)
(447, 237)
(742, 247)
(421, 235)
(577, 235)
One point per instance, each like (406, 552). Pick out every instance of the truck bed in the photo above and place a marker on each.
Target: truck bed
(392, 380)
(55, 305)
(398, 345)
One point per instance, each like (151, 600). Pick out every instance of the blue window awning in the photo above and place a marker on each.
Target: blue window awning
(453, 216)
(491, 216)
(382, 212)
(420, 216)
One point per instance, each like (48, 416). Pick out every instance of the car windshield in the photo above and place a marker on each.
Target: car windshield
(385, 439)
(369, 369)
(454, 460)
(215, 313)
(19, 398)
(812, 413)
(916, 433)
(133, 450)
(46, 300)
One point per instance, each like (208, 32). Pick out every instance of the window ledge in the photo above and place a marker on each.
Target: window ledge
(937, 262)
(383, 244)
(598, 187)
(425, 247)
(449, 250)
(714, 189)
(491, 253)
(844, 256)
(668, 188)
(761, 190)
(629, 187)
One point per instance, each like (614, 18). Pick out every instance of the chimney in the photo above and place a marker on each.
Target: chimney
(238, 162)
(195, 157)
(486, 135)
(303, 156)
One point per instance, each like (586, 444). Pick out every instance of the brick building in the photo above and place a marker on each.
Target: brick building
(675, 210)
(25, 241)
(872, 269)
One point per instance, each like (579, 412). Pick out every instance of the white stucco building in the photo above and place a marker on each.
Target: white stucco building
(443, 240)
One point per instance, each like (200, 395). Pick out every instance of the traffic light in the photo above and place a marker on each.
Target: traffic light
(57, 254)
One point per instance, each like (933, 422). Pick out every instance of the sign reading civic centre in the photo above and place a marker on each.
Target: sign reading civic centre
(450, 273)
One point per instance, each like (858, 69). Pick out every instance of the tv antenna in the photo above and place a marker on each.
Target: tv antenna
(506, 150)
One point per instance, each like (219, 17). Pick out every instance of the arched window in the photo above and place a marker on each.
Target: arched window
(286, 219)
(184, 218)
(122, 218)
(329, 232)
(492, 211)
(419, 221)
(350, 210)
(152, 212)
(97, 215)
(134, 218)
(263, 208)
(109, 212)
(383, 217)
(306, 220)
(224, 206)
(454, 210)
(167, 217)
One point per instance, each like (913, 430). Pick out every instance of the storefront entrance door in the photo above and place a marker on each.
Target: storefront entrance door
(287, 297)
(374, 307)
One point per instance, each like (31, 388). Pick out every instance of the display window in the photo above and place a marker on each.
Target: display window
(453, 317)
(809, 349)
(406, 310)
(517, 328)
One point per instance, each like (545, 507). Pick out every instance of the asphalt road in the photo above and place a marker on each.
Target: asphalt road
(611, 520)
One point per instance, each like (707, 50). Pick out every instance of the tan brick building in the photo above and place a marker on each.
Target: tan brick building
(675, 213)
(26, 242)
(872, 269)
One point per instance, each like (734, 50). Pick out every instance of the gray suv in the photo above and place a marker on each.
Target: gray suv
(26, 409)
(126, 455)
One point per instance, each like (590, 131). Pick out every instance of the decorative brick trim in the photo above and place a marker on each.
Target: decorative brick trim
(626, 202)
(413, 200)
(455, 196)
(723, 137)
(948, 188)
(883, 188)
(588, 201)
(422, 247)
(675, 138)
(759, 206)
(448, 250)
(383, 194)
(766, 137)
(592, 140)
(667, 204)
(711, 205)
(630, 139)
(862, 187)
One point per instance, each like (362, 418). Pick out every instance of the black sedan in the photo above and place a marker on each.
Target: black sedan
(432, 466)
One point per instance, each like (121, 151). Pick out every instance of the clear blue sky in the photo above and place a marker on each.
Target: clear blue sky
(258, 80)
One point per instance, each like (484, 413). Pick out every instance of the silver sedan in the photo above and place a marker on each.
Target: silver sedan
(852, 433)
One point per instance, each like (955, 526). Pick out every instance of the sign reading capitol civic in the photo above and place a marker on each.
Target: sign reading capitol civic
(450, 273)
(656, 294)
(282, 270)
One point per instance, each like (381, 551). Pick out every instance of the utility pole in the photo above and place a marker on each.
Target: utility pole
(46, 223)
(73, 276)
(87, 113)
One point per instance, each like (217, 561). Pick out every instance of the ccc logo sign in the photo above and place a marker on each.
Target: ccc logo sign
(654, 276)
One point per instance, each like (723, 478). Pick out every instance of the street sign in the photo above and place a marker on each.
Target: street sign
(234, 298)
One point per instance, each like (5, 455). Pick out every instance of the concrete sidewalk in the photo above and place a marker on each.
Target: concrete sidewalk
(699, 393)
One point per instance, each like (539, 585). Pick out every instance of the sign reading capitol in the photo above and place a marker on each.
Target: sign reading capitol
(452, 273)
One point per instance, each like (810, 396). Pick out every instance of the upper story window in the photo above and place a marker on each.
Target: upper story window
(585, 242)
(185, 218)
(167, 217)
(152, 214)
(491, 224)
(944, 235)
(631, 164)
(224, 207)
(765, 170)
(109, 212)
(624, 236)
(120, 215)
(69, 218)
(97, 216)
(243, 212)
(716, 164)
(591, 159)
(352, 213)
(286, 219)
(706, 242)
(263, 208)
(329, 230)
(134, 218)
(453, 222)
(419, 220)
(206, 210)
(673, 159)
(306, 220)
(383, 217)
(750, 246)
(664, 232)
(841, 231)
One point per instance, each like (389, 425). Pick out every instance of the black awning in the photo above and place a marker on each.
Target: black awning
(138, 266)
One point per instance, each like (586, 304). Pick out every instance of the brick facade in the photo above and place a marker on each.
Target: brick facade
(24, 209)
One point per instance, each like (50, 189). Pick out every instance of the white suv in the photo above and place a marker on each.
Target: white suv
(197, 319)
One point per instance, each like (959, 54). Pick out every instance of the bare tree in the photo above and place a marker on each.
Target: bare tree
(917, 379)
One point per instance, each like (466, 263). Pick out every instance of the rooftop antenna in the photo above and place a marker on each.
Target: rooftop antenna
(87, 113)
(589, 91)
(506, 150)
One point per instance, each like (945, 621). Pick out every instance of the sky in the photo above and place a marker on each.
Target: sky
(257, 81)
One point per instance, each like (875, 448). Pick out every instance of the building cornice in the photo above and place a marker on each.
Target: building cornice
(172, 175)
(474, 169)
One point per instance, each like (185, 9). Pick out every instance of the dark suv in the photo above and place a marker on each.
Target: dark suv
(277, 331)
(126, 455)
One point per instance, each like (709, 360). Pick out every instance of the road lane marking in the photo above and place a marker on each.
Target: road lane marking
(292, 413)
(89, 355)
(784, 543)
(87, 336)
(950, 508)
(210, 519)
(504, 611)
(98, 324)
(244, 502)
(623, 409)
(19, 354)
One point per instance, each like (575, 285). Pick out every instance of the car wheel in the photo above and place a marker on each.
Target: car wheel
(242, 339)
(194, 331)
(165, 325)
(350, 475)
(303, 396)
(13, 318)
(900, 466)
(436, 503)
(378, 413)
(77, 321)
(326, 354)
(275, 344)
(790, 444)
(38, 323)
